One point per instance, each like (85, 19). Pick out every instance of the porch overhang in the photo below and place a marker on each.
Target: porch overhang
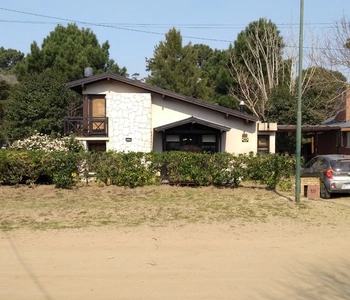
(307, 128)
(192, 120)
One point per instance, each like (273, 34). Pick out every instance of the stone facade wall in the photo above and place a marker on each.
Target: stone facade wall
(129, 121)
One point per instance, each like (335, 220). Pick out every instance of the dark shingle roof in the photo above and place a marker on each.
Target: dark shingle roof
(78, 85)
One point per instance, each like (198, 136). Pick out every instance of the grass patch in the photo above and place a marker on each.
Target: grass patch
(44, 207)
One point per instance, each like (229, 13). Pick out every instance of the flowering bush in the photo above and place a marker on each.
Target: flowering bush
(45, 143)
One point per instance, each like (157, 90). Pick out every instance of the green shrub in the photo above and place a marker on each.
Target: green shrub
(64, 168)
(134, 169)
(11, 171)
(270, 169)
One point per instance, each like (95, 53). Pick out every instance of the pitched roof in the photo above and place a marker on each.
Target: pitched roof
(192, 120)
(78, 85)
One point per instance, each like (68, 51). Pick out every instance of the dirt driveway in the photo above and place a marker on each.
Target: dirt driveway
(271, 260)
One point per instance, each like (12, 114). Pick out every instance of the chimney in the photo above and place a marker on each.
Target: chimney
(347, 102)
(88, 72)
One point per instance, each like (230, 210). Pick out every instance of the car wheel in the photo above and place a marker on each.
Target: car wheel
(324, 193)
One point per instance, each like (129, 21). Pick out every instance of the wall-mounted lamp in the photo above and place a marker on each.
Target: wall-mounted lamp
(241, 106)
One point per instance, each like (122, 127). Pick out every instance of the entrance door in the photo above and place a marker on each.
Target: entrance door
(190, 143)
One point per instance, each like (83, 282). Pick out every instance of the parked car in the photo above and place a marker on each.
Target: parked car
(333, 171)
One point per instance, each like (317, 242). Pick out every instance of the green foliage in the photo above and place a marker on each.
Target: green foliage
(188, 168)
(5, 89)
(213, 67)
(23, 166)
(193, 70)
(64, 168)
(68, 50)
(11, 171)
(39, 103)
(135, 169)
(122, 169)
(259, 32)
(227, 169)
(321, 99)
(323, 94)
(175, 67)
(282, 106)
(270, 169)
(9, 58)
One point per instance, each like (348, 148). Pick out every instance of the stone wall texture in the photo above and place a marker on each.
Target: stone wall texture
(129, 121)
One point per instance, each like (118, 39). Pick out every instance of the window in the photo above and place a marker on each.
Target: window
(321, 165)
(348, 140)
(209, 143)
(191, 143)
(96, 146)
(263, 143)
(172, 142)
(98, 113)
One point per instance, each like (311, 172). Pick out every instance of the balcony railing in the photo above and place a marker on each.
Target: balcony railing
(86, 127)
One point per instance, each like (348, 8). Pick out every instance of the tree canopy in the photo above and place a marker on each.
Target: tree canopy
(322, 98)
(38, 103)
(9, 58)
(68, 50)
(176, 67)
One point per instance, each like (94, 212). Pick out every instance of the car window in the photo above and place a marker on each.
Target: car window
(321, 164)
(311, 163)
(341, 165)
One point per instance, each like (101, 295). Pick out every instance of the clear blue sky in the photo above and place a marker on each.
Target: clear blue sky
(140, 24)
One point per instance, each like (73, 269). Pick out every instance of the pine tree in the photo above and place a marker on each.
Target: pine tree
(174, 67)
(68, 50)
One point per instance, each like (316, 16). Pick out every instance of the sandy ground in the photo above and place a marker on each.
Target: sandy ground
(272, 260)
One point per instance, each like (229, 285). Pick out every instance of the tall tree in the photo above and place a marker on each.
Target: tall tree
(322, 98)
(39, 102)
(176, 67)
(256, 64)
(213, 66)
(68, 50)
(5, 89)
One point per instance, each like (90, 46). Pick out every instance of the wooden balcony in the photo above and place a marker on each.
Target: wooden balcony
(86, 127)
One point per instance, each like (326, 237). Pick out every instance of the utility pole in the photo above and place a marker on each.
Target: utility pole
(300, 81)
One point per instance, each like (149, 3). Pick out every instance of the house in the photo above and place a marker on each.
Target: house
(123, 114)
(342, 121)
(332, 137)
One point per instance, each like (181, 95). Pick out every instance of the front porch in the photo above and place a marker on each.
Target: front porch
(192, 135)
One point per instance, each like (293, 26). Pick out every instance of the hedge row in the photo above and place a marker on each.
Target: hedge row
(66, 169)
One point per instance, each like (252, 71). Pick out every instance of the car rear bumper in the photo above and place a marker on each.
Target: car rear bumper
(338, 187)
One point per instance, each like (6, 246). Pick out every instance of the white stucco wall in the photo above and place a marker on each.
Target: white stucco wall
(165, 111)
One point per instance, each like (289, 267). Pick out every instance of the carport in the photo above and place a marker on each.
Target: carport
(324, 139)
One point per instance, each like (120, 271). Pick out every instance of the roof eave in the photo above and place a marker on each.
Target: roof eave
(78, 86)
